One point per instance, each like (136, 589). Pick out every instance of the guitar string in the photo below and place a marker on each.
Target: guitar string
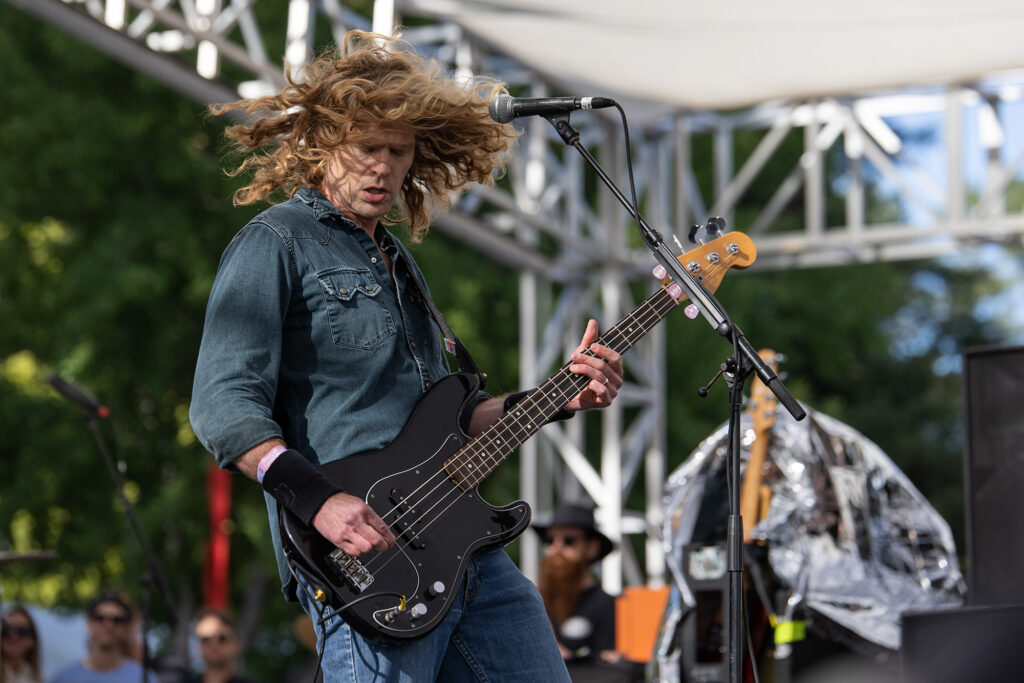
(487, 438)
(645, 323)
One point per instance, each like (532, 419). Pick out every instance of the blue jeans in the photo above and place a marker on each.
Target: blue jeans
(496, 631)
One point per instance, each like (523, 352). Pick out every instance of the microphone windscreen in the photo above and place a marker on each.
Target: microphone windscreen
(500, 108)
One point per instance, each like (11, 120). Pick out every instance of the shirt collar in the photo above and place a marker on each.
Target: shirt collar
(322, 208)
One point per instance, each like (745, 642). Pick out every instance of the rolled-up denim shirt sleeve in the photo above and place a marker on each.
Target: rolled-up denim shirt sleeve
(236, 375)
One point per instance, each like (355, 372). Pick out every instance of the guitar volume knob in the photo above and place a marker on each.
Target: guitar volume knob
(437, 588)
(416, 611)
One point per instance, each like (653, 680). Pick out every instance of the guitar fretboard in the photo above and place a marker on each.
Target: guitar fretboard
(481, 456)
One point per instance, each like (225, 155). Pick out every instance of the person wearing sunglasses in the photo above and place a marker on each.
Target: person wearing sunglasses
(581, 612)
(109, 620)
(219, 648)
(20, 648)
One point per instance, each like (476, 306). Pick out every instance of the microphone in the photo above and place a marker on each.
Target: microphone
(503, 108)
(79, 395)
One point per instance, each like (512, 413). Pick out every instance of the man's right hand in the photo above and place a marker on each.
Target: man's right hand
(352, 525)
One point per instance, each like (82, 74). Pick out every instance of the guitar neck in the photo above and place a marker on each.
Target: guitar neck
(481, 456)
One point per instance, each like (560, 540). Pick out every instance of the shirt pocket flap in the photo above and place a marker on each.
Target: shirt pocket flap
(344, 284)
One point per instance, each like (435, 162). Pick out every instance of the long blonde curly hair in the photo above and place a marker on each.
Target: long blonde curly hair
(289, 137)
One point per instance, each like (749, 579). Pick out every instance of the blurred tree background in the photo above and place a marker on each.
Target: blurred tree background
(113, 212)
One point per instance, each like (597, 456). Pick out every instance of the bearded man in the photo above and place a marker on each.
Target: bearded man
(581, 612)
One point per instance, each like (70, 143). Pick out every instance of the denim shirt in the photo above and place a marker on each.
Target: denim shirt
(309, 339)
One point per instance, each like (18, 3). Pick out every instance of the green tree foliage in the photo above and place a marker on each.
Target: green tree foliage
(113, 211)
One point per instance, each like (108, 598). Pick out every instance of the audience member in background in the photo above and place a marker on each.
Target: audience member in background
(582, 614)
(19, 643)
(219, 647)
(109, 619)
(132, 643)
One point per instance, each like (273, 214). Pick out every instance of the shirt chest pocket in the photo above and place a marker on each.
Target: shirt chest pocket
(355, 309)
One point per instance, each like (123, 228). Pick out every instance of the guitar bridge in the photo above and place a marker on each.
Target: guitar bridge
(350, 569)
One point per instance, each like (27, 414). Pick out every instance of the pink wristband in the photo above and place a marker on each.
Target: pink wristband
(267, 460)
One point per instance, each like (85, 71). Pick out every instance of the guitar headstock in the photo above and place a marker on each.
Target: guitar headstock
(709, 262)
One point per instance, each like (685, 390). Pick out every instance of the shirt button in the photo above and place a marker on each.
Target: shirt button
(373, 259)
(343, 291)
(369, 288)
(428, 385)
(412, 344)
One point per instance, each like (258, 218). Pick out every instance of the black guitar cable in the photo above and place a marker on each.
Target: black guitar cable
(304, 584)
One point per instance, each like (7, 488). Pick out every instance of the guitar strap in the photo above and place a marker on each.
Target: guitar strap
(451, 343)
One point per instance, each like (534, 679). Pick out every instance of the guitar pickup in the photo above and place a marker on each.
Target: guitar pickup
(350, 569)
(406, 518)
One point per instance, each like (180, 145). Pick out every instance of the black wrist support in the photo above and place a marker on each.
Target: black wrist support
(298, 485)
(515, 398)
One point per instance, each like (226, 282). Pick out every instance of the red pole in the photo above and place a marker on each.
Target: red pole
(218, 547)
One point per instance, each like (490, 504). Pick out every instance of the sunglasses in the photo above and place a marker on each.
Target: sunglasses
(568, 540)
(220, 638)
(110, 618)
(23, 631)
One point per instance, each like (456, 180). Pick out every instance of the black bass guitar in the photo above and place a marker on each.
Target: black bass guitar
(424, 484)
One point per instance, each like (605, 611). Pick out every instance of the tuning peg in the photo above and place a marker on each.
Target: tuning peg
(716, 225)
(692, 236)
(679, 244)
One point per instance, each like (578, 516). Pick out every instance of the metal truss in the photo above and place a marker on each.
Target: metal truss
(571, 240)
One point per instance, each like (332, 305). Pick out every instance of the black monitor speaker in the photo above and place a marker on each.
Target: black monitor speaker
(994, 474)
(963, 645)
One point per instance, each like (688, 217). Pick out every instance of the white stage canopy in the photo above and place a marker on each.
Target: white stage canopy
(725, 54)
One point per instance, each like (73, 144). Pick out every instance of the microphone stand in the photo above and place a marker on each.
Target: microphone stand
(739, 366)
(155, 575)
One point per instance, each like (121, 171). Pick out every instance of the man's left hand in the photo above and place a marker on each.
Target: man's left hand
(604, 369)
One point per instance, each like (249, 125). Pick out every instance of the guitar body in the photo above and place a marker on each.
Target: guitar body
(438, 525)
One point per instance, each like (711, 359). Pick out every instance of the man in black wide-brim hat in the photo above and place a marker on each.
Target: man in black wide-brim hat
(582, 614)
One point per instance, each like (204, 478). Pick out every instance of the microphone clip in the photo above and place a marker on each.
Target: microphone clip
(564, 129)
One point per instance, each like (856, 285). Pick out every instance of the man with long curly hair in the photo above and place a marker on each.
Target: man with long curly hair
(318, 343)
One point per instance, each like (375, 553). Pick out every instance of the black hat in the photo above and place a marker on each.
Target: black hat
(573, 514)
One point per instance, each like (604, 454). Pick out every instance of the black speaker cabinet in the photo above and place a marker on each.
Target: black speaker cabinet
(994, 474)
(965, 645)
